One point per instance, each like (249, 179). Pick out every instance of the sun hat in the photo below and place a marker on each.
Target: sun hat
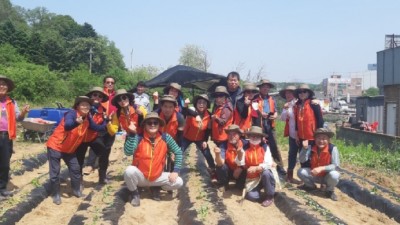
(255, 130)
(9, 82)
(233, 127)
(80, 99)
(173, 85)
(98, 90)
(303, 87)
(153, 115)
(168, 98)
(265, 81)
(287, 88)
(220, 90)
(201, 96)
(250, 87)
(325, 131)
(119, 93)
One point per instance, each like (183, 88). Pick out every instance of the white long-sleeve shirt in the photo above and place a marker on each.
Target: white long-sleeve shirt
(289, 113)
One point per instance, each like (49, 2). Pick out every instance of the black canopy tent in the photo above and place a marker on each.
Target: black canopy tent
(188, 77)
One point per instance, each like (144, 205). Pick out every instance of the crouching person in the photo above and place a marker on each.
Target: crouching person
(257, 159)
(321, 160)
(62, 144)
(149, 153)
(225, 156)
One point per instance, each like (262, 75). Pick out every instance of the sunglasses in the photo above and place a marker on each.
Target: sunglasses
(122, 98)
(97, 95)
(151, 123)
(302, 91)
(219, 95)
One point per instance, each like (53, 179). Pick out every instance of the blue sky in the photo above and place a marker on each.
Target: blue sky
(292, 40)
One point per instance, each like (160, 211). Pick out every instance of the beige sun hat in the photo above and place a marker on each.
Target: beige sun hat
(303, 87)
(220, 90)
(98, 90)
(255, 130)
(173, 85)
(9, 82)
(325, 131)
(287, 88)
(152, 115)
(80, 99)
(265, 81)
(250, 87)
(233, 127)
(168, 98)
(119, 93)
(201, 96)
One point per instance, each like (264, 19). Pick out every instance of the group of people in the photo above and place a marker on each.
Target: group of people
(241, 124)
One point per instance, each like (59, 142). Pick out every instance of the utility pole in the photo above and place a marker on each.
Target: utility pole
(131, 59)
(90, 60)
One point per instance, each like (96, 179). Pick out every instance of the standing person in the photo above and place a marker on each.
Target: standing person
(141, 98)
(222, 115)
(267, 106)
(9, 115)
(63, 143)
(197, 128)
(308, 116)
(225, 157)
(233, 86)
(94, 139)
(174, 90)
(257, 160)
(147, 166)
(290, 128)
(246, 110)
(109, 90)
(321, 161)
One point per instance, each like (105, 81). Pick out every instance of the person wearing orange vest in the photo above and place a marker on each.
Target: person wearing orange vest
(94, 139)
(109, 90)
(173, 89)
(9, 115)
(149, 151)
(321, 160)
(288, 116)
(267, 106)
(225, 157)
(308, 116)
(63, 143)
(197, 128)
(245, 111)
(257, 159)
(222, 115)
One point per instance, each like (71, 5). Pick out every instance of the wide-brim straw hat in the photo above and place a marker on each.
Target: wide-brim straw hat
(119, 93)
(255, 130)
(201, 96)
(168, 98)
(220, 90)
(250, 87)
(98, 90)
(80, 99)
(9, 82)
(303, 87)
(233, 127)
(325, 131)
(173, 85)
(282, 92)
(153, 115)
(265, 81)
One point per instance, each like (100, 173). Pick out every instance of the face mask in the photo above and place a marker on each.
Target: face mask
(255, 141)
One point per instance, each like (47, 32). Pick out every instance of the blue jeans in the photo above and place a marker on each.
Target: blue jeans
(294, 149)
(206, 152)
(268, 183)
(331, 179)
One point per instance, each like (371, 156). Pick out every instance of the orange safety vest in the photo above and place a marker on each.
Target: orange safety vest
(110, 108)
(254, 157)
(98, 119)
(243, 123)
(323, 159)
(231, 153)
(218, 132)
(150, 158)
(11, 118)
(125, 120)
(271, 103)
(68, 141)
(195, 131)
(170, 127)
(305, 121)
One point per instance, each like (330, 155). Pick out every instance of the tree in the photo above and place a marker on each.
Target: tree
(87, 31)
(194, 56)
(371, 92)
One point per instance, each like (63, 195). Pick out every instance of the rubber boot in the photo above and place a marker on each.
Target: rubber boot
(76, 188)
(103, 177)
(155, 193)
(55, 193)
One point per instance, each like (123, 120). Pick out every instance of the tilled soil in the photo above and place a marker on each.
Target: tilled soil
(198, 202)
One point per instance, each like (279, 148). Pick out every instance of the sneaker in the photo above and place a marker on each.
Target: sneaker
(135, 198)
(88, 170)
(5, 193)
(331, 195)
(155, 193)
(307, 188)
(267, 202)
(281, 171)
